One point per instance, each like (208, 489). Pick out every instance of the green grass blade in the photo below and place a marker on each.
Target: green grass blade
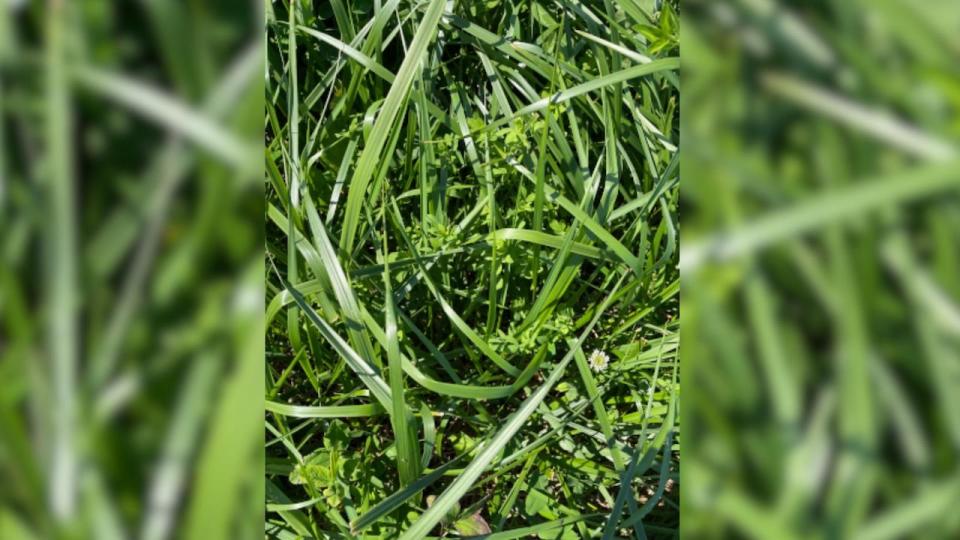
(395, 101)
(343, 291)
(404, 428)
(656, 66)
(338, 411)
(365, 371)
(398, 498)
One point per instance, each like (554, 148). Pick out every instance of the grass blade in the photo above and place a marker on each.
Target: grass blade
(392, 105)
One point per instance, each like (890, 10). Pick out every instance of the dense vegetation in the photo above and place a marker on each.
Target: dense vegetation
(472, 280)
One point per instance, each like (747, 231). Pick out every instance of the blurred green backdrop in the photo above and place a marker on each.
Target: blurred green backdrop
(819, 269)
(131, 269)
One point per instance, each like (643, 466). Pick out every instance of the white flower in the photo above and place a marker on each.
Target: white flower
(598, 360)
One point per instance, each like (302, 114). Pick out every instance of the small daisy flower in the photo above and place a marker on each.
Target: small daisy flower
(598, 360)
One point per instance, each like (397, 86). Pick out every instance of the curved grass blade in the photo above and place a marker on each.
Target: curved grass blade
(350, 52)
(365, 371)
(467, 391)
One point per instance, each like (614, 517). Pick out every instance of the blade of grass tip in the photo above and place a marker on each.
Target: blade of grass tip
(408, 459)
(429, 435)
(504, 512)
(632, 55)
(293, 506)
(598, 230)
(447, 389)
(285, 440)
(62, 282)
(365, 371)
(396, 98)
(548, 240)
(495, 82)
(509, 48)
(637, 518)
(626, 491)
(350, 52)
(297, 520)
(297, 359)
(459, 487)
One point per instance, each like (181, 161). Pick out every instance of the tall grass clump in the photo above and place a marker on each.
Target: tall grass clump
(472, 246)
(821, 275)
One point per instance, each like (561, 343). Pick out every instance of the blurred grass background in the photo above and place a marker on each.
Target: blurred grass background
(820, 270)
(131, 269)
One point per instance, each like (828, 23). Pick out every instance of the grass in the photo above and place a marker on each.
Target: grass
(130, 265)
(465, 201)
(820, 275)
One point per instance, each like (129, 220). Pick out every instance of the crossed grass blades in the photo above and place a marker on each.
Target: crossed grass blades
(820, 269)
(465, 200)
